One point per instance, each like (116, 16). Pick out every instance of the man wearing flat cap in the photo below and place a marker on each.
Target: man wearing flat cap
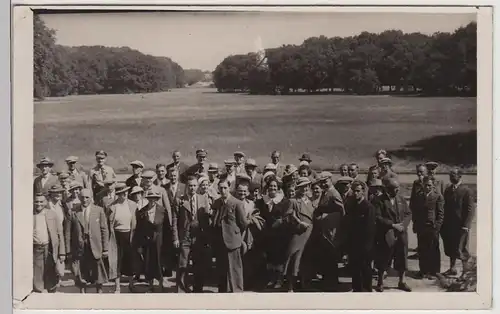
(100, 173)
(197, 169)
(75, 174)
(87, 239)
(327, 218)
(275, 159)
(135, 179)
(230, 173)
(343, 185)
(255, 177)
(213, 181)
(393, 216)
(386, 171)
(43, 182)
(431, 172)
(177, 163)
(56, 203)
(64, 181)
(239, 162)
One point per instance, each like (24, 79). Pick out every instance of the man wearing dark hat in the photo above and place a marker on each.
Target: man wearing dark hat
(87, 240)
(431, 172)
(75, 174)
(228, 225)
(376, 189)
(427, 216)
(393, 217)
(135, 179)
(177, 163)
(100, 173)
(327, 218)
(191, 234)
(239, 162)
(44, 181)
(305, 159)
(275, 159)
(48, 246)
(459, 210)
(197, 169)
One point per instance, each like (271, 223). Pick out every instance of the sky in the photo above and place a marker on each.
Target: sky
(201, 40)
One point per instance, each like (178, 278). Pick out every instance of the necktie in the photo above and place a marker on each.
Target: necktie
(193, 204)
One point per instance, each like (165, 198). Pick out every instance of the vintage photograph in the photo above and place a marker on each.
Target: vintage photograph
(224, 152)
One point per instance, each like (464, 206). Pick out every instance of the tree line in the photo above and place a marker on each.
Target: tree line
(369, 63)
(61, 70)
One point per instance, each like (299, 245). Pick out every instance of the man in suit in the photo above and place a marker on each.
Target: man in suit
(353, 172)
(255, 177)
(197, 169)
(161, 176)
(431, 172)
(191, 224)
(239, 162)
(228, 224)
(107, 195)
(100, 173)
(427, 216)
(393, 217)
(177, 163)
(48, 246)
(56, 203)
(175, 189)
(44, 181)
(135, 179)
(416, 189)
(327, 218)
(275, 159)
(386, 171)
(87, 240)
(459, 211)
(75, 174)
(213, 181)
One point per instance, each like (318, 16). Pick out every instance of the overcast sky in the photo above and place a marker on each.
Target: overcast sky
(203, 40)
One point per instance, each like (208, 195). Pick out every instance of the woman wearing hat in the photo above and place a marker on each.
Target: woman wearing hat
(291, 174)
(122, 223)
(148, 238)
(300, 218)
(272, 207)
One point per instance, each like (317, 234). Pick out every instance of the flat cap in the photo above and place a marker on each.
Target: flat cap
(201, 152)
(136, 189)
(152, 194)
(250, 163)
(137, 163)
(213, 167)
(71, 159)
(303, 181)
(229, 162)
(345, 180)
(239, 153)
(306, 157)
(243, 176)
(431, 165)
(101, 153)
(148, 174)
(75, 185)
(45, 161)
(324, 175)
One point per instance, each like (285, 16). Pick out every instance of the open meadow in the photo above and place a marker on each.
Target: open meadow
(333, 128)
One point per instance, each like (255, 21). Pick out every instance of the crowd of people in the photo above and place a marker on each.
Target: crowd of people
(281, 228)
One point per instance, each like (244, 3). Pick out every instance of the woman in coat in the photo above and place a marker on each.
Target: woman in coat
(122, 223)
(300, 218)
(148, 237)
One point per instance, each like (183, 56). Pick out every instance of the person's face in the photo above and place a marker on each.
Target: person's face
(275, 158)
(176, 157)
(344, 170)
(71, 166)
(432, 172)
(86, 200)
(385, 167)
(239, 159)
(204, 187)
(45, 169)
(421, 172)
(343, 187)
(64, 182)
(39, 203)
(212, 176)
(428, 186)
(272, 189)
(358, 192)
(380, 157)
(291, 192)
(316, 190)
(136, 170)
(56, 197)
(250, 170)
(325, 184)
(295, 176)
(100, 160)
(192, 187)
(229, 168)
(303, 173)
(136, 197)
(174, 175)
(256, 194)
(303, 190)
(242, 192)
(161, 172)
(224, 189)
(122, 196)
(147, 182)
(111, 188)
(374, 173)
(352, 171)
(201, 159)
(76, 192)
(392, 191)
(454, 177)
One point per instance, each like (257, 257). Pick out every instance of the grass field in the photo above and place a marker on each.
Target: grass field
(333, 128)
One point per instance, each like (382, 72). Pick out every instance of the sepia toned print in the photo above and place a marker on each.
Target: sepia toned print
(323, 160)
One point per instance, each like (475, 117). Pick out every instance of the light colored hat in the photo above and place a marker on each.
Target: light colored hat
(201, 152)
(304, 163)
(243, 176)
(202, 178)
(56, 189)
(136, 189)
(431, 165)
(121, 188)
(324, 175)
(45, 161)
(213, 167)
(250, 163)
(71, 159)
(303, 181)
(137, 163)
(267, 175)
(86, 192)
(152, 194)
(148, 174)
(270, 166)
(229, 162)
(345, 180)
(75, 185)
(239, 153)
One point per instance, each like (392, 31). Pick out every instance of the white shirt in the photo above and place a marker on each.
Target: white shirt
(40, 231)
(151, 214)
(123, 217)
(86, 214)
(57, 208)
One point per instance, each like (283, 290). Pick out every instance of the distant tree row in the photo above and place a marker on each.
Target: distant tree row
(61, 71)
(392, 61)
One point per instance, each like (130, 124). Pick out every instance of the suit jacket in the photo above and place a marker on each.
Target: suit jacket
(174, 197)
(360, 227)
(97, 228)
(387, 215)
(329, 215)
(81, 177)
(459, 207)
(233, 221)
(113, 247)
(256, 181)
(56, 236)
(191, 223)
(181, 167)
(131, 182)
(98, 176)
(37, 184)
(193, 170)
(428, 212)
(416, 189)
(147, 231)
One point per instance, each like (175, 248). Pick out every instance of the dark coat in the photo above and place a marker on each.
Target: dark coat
(329, 215)
(131, 182)
(360, 227)
(188, 225)
(428, 212)
(458, 208)
(174, 198)
(387, 215)
(233, 221)
(37, 184)
(181, 167)
(193, 170)
(416, 189)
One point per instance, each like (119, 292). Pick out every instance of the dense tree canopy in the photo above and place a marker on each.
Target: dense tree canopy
(61, 71)
(393, 61)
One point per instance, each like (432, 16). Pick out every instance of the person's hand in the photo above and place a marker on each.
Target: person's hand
(398, 227)
(105, 254)
(176, 244)
(139, 250)
(62, 258)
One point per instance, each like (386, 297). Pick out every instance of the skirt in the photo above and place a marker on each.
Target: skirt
(295, 252)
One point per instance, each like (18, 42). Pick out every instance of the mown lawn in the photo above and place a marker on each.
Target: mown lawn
(332, 128)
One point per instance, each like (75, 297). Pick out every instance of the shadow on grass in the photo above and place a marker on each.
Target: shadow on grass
(458, 149)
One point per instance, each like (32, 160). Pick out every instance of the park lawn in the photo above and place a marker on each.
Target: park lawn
(333, 128)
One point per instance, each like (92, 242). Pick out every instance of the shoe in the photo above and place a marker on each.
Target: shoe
(403, 286)
(379, 288)
(451, 272)
(419, 275)
(431, 276)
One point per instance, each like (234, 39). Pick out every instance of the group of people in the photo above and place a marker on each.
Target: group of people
(281, 228)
